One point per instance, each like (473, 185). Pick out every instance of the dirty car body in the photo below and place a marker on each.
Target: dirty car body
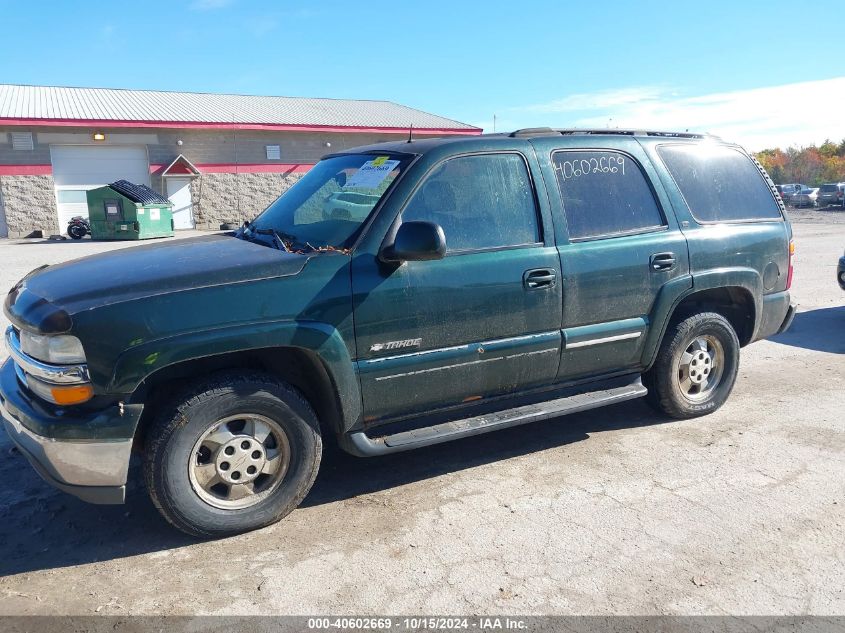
(401, 295)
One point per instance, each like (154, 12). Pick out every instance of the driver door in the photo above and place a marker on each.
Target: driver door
(484, 320)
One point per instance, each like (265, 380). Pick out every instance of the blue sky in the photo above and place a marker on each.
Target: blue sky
(762, 73)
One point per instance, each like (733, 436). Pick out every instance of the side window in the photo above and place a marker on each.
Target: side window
(482, 201)
(719, 183)
(604, 193)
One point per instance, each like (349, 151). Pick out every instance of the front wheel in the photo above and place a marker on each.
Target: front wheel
(76, 232)
(696, 367)
(231, 454)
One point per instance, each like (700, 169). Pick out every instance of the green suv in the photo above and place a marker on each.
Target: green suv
(399, 295)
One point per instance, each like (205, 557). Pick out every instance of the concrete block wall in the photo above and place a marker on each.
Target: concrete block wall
(234, 198)
(28, 203)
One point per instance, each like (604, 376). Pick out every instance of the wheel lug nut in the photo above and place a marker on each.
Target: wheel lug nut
(229, 450)
(224, 466)
(251, 470)
(236, 475)
(256, 454)
(245, 444)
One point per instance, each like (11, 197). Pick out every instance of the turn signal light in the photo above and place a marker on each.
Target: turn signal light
(75, 394)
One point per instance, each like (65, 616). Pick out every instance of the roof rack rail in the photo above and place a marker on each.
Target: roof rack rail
(529, 132)
(576, 131)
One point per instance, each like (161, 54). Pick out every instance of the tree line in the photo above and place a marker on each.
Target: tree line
(811, 165)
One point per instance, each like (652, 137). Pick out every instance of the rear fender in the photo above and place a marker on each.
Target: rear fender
(739, 277)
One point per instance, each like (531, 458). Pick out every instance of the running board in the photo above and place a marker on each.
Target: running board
(359, 443)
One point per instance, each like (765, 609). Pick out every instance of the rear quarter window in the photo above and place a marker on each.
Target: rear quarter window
(720, 183)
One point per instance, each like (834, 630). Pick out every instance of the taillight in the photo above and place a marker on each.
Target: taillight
(791, 255)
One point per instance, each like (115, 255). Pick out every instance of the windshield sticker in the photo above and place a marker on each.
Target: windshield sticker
(372, 173)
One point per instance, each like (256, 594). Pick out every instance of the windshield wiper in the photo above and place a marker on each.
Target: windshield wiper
(287, 242)
(284, 241)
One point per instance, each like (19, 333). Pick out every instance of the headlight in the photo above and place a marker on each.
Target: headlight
(61, 349)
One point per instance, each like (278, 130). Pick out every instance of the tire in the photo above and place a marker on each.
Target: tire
(76, 232)
(691, 386)
(185, 455)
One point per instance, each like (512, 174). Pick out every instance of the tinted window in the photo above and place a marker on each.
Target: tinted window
(604, 193)
(719, 183)
(480, 201)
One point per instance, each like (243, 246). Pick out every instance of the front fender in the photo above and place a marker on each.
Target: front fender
(136, 364)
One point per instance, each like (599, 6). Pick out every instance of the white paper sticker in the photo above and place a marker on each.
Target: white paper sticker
(372, 173)
(155, 214)
(140, 212)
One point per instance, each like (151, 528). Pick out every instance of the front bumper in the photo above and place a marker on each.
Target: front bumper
(93, 468)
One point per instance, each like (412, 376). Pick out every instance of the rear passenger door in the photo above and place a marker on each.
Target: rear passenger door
(624, 260)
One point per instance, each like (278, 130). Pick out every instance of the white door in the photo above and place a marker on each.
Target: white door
(78, 168)
(179, 192)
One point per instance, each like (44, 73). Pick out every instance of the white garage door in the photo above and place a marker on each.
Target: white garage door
(78, 168)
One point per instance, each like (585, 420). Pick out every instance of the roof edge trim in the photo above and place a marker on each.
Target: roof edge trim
(289, 127)
(188, 164)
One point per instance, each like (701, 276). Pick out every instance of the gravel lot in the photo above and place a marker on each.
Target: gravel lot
(612, 511)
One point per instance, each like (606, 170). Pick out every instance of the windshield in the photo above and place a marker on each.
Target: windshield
(325, 209)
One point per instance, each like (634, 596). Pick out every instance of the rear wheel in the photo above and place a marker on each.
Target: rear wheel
(231, 454)
(696, 367)
(76, 232)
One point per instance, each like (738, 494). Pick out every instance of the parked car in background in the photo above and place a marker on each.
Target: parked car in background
(787, 191)
(804, 197)
(840, 272)
(830, 193)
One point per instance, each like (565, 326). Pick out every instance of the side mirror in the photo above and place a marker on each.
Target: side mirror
(416, 241)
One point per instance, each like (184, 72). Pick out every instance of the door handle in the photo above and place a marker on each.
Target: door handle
(662, 261)
(539, 278)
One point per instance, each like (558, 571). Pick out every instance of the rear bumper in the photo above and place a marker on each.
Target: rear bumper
(777, 314)
(787, 320)
(92, 469)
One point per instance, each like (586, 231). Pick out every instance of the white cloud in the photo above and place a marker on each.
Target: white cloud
(792, 114)
(601, 100)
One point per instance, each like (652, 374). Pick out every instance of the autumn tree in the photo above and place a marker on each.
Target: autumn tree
(810, 165)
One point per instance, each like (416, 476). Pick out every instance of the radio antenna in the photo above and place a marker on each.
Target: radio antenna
(411, 133)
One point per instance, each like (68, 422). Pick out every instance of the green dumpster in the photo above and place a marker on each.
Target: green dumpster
(126, 211)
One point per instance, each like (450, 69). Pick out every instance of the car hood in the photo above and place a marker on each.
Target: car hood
(47, 298)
